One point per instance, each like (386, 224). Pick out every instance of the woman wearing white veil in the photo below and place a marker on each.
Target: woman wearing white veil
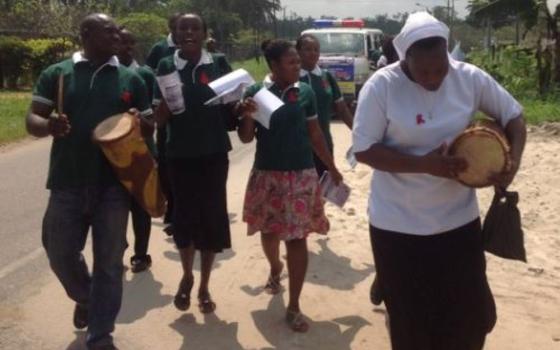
(424, 225)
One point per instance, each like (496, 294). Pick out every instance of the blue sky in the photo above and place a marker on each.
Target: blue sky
(368, 8)
(363, 8)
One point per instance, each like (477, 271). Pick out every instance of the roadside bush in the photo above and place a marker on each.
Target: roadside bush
(513, 67)
(45, 52)
(13, 55)
(21, 61)
(147, 28)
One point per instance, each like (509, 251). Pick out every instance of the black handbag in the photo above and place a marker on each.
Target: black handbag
(501, 230)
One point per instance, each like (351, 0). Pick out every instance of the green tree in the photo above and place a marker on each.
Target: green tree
(147, 28)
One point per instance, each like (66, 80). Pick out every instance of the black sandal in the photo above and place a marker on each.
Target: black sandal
(182, 300)
(205, 303)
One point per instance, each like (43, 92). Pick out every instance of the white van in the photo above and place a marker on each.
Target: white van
(349, 51)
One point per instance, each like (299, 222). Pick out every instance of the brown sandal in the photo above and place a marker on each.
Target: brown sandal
(296, 321)
(205, 303)
(273, 285)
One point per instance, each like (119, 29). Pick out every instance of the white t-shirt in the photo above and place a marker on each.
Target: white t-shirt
(400, 114)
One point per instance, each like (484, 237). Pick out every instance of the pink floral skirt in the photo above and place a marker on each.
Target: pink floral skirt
(286, 203)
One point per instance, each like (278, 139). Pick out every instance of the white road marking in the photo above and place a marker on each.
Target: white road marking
(5, 271)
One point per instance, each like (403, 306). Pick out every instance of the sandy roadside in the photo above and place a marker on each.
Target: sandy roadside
(335, 295)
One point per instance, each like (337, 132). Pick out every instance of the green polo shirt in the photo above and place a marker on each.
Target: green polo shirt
(286, 145)
(91, 95)
(200, 130)
(327, 92)
(149, 79)
(160, 50)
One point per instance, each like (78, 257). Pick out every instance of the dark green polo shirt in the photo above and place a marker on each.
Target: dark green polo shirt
(286, 145)
(327, 92)
(91, 95)
(149, 79)
(160, 50)
(200, 130)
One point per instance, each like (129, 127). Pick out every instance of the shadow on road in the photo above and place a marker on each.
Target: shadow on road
(79, 343)
(214, 333)
(141, 294)
(337, 334)
(341, 276)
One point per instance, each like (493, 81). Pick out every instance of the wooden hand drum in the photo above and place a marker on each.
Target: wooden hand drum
(121, 141)
(486, 150)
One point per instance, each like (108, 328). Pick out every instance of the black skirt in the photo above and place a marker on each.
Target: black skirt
(200, 214)
(435, 288)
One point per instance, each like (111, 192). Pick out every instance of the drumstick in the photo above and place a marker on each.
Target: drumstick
(60, 99)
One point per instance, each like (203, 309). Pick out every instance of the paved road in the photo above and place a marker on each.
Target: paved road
(23, 172)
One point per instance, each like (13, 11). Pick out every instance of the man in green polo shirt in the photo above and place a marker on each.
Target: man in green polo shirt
(141, 220)
(85, 192)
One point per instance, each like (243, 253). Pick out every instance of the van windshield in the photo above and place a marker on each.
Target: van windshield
(349, 44)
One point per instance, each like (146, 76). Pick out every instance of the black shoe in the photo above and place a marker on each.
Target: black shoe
(168, 229)
(140, 263)
(80, 316)
(182, 300)
(103, 347)
(375, 295)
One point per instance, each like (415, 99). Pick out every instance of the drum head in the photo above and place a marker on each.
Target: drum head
(486, 153)
(113, 128)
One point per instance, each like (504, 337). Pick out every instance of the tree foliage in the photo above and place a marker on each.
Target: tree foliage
(147, 28)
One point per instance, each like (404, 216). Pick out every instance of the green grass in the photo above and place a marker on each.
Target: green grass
(257, 70)
(538, 111)
(13, 107)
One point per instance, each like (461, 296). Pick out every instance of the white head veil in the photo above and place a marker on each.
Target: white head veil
(418, 26)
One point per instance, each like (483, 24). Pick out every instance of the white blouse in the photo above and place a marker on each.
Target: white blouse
(400, 114)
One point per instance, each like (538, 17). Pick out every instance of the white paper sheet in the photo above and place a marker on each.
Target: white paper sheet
(267, 103)
(338, 195)
(171, 89)
(351, 158)
(230, 87)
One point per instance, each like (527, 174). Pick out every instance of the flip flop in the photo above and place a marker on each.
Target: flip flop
(296, 321)
(205, 304)
(273, 285)
(182, 300)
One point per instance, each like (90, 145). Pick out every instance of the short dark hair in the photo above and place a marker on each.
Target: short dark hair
(426, 44)
(273, 50)
(204, 26)
(302, 38)
(389, 50)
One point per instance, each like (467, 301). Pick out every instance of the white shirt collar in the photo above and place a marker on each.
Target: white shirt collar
(78, 57)
(205, 58)
(134, 65)
(170, 41)
(316, 71)
(268, 83)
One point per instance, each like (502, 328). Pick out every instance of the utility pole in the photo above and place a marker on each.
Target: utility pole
(275, 3)
(284, 24)
(452, 19)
